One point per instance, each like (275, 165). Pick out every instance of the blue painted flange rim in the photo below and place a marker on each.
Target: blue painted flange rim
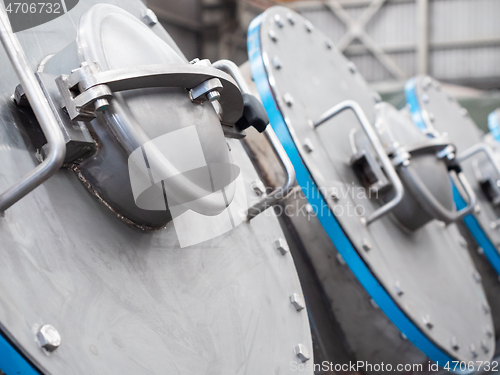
(329, 223)
(12, 362)
(470, 221)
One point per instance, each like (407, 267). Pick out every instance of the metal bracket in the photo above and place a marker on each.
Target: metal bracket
(88, 89)
(282, 192)
(48, 122)
(375, 142)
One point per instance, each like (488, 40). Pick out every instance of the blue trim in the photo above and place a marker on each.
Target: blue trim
(494, 125)
(470, 221)
(13, 363)
(329, 222)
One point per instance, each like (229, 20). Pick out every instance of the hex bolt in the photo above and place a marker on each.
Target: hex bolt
(486, 308)
(100, 105)
(258, 187)
(484, 346)
(273, 36)
(427, 321)
(149, 17)
(282, 246)
(308, 146)
(277, 63)
(334, 195)
(477, 277)
(341, 259)
(279, 22)
(352, 67)
(454, 343)
(366, 245)
(309, 26)
(288, 98)
(398, 289)
(297, 301)
(48, 337)
(473, 350)
(213, 96)
(302, 353)
(290, 18)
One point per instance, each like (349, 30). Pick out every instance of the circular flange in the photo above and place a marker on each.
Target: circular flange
(129, 301)
(420, 279)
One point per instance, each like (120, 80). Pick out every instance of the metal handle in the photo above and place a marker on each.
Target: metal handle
(430, 203)
(271, 199)
(43, 113)
(476, 149)
(384, 159)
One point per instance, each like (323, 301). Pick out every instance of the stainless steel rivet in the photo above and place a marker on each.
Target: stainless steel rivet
(282, 246)
(48, 337)
(297, 301)
(258, 187)
(302, 353)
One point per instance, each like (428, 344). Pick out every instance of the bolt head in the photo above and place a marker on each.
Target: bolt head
(484, 346)
(282, 246)
(425, 98)
(309, 26)
(427, 321)
(341, 259)
(398, 289)
(334, 195)
(277, 63)
(288, 98)
(477, 277)
(464, 112)
(278, 21)
(309, 209)
(454, 343)
(273, 36)
(473, 351)
(352, 67)
(308, 146)
(149, 17)
(258, 187)
(302, 353)
(477, 209)
(48, 337)
(366, 245)
(213, 96)
(297, 301)
(290, 18)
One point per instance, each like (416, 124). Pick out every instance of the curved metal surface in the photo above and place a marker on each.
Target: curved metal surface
(290, 179)
(57, 149)
(127, 301)
(290, 110)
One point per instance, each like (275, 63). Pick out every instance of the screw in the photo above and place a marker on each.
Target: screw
(302, 353)
(291, 18)
(297, 302)
(366, 245)
(454, 344)
(308, 146)
(397, 287)
(258, 187)
(150, 17)
(309, 26)
(279, 22)
(282, 246)
(352, 67)
(48, 337)
(276, 63)
(288, 98)
(273, 36)
(427, 321)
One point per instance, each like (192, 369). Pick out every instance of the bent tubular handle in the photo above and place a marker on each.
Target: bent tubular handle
(476, 149)
(430, 203)
(43, 113)
(282, 192)
(384, 159)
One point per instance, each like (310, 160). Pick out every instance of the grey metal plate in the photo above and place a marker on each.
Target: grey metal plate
(127, 301)
(433, 269)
